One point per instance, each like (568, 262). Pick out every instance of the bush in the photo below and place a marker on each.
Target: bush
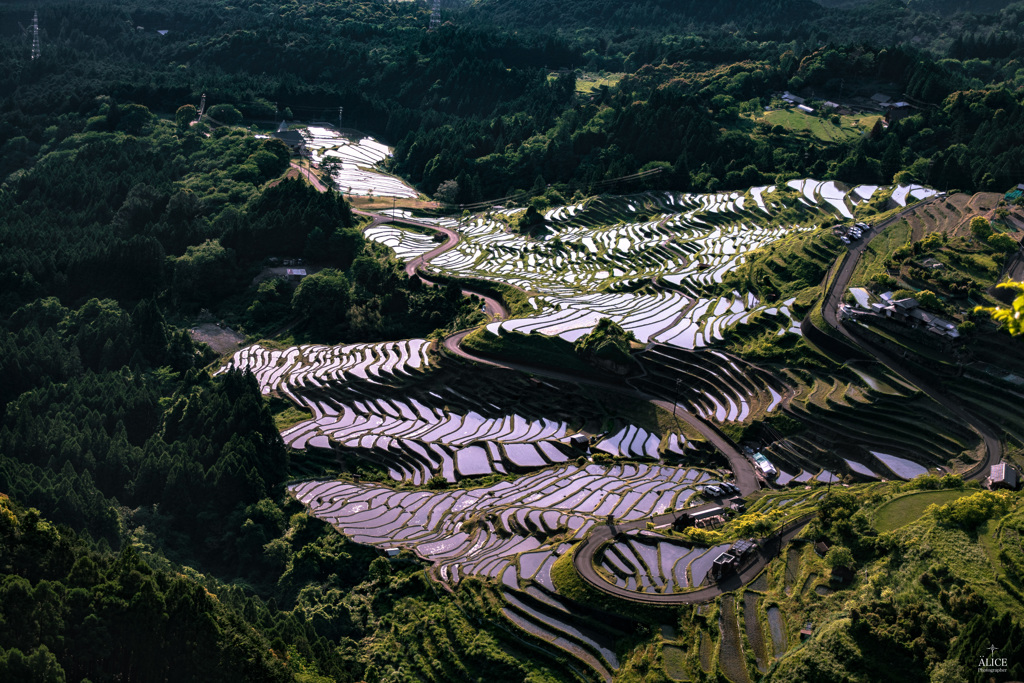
(706, 537)
(980, 227)
(1003, 243)
(971, 511)
(226, 114)
(838, 556)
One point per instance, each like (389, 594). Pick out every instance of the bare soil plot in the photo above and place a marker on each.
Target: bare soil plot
(221, 339)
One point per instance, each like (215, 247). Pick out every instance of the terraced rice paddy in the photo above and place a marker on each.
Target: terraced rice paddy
(675, 662)
(596, 250)
(345, 387)
(544, 616)
(777, 628)
(752, 627)
(711, 383)
(354, 175)
(511, 530)
(792, 568)
(730, 655)
(652, 564)
(877, 427)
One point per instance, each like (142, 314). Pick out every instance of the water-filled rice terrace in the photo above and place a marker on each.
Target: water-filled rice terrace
(356, 158)
(602, 257)
(511, 532)
(390, 404)
(655, 564)
(655, 264)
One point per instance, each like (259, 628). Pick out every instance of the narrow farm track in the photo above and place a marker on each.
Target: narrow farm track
(492, 307)
(583, 560)
(742, 469)
(829, 309)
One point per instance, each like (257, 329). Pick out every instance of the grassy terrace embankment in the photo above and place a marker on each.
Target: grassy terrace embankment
(529, 349)
(908, 508)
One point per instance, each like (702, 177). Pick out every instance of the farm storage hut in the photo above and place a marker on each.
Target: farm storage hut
(743, 548)
(691, 518)
(579, 441)
(725, 564)
(293, 138)
(805, 109)
(296, 274)
(1003, 476)
(897, 111)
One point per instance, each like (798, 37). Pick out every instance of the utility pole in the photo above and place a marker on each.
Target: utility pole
(675, 404)
(340, 110)
(35, 35)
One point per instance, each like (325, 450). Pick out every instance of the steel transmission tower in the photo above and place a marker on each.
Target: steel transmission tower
(435, 14)
(35, 35)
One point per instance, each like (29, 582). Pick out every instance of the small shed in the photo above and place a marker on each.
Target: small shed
(579, 441)
(805, 109)
(691, 518)
(742, 548)
(392, 552)
(725, 564)
(293, 138)
(807, 631)
(1003, 476)
(296, 274)
(897, 111)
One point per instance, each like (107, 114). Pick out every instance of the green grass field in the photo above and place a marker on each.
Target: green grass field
(286, 414)
(820, 128)
(587, 82)
(872, 261)
(906, 509)
(674, 659)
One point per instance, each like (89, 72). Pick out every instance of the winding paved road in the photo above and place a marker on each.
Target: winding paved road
(746, 480)
(742, 468)
(829, 310)
(492, 308)
(743, 471)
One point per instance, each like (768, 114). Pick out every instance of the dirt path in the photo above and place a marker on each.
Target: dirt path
(600, 534)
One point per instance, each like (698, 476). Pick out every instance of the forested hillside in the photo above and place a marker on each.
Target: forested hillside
(145, 534)
(472, 101)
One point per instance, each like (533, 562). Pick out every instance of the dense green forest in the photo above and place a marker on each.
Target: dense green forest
(472, 101)
(144, 533)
